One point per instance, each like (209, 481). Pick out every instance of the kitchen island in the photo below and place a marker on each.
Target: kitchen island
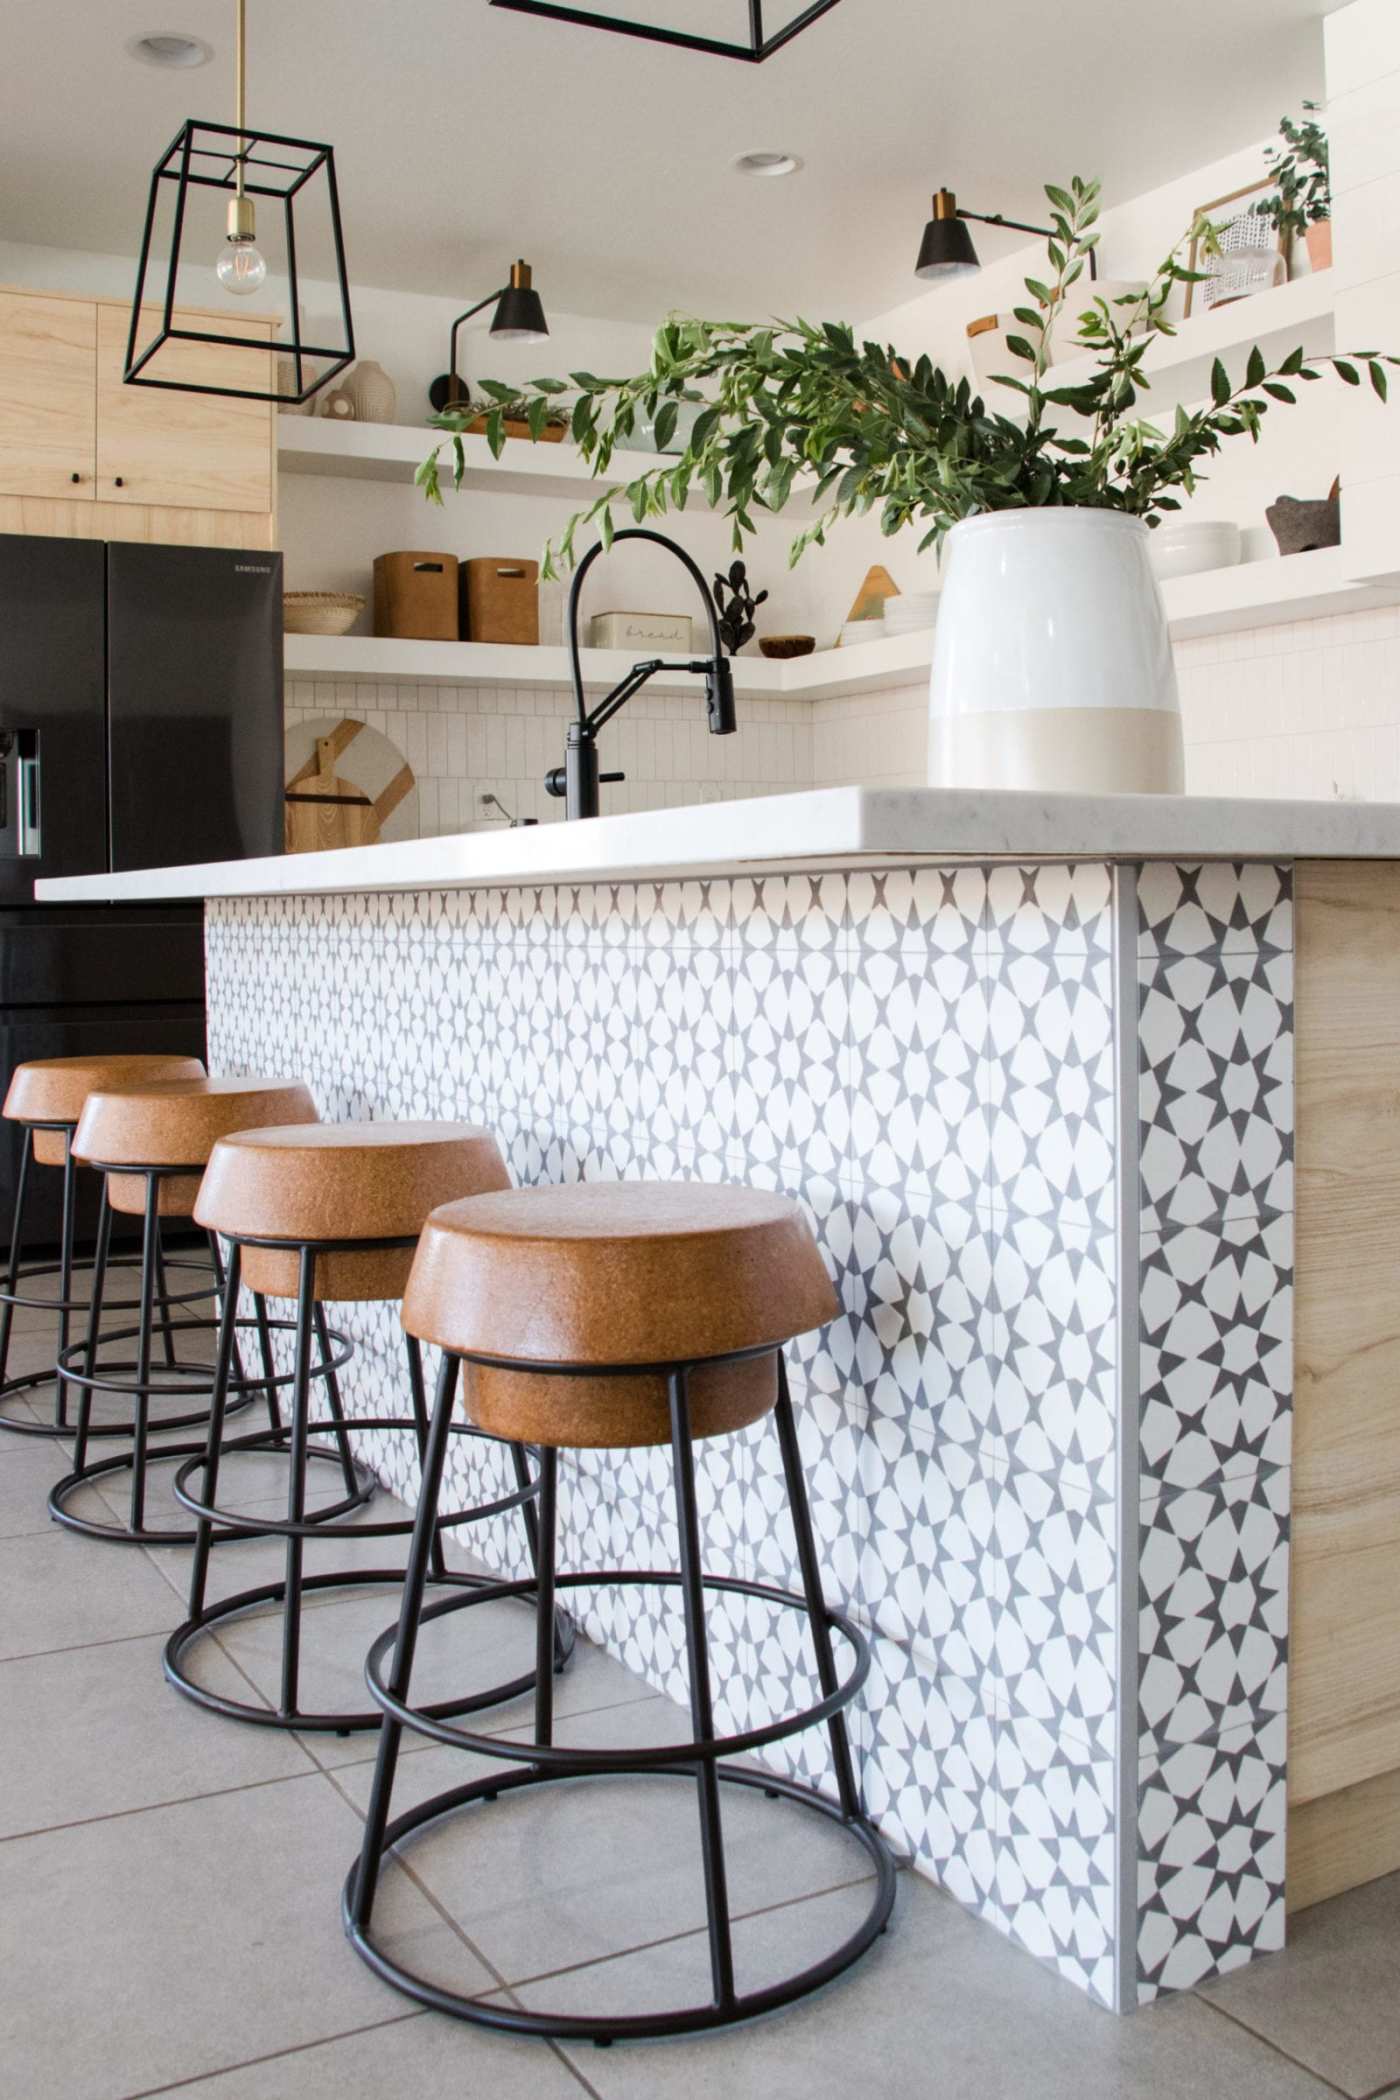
(1034, 1066)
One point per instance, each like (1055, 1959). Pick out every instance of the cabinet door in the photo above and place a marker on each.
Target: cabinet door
(48, 396)
(187, 451)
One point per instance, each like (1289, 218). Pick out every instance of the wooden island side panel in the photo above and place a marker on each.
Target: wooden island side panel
(1344, 1695)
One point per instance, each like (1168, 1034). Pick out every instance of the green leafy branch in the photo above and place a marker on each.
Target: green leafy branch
(801, 406)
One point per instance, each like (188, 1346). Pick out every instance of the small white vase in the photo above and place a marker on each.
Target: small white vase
(1052, 665)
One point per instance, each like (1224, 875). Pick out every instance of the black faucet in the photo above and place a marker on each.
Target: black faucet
(578, 779)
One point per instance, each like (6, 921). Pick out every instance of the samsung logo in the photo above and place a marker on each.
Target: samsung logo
(251, 568)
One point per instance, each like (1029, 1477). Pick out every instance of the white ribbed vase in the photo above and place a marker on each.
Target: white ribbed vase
(1052, 666)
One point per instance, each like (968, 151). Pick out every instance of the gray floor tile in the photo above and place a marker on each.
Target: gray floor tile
(944, 2006)
(154, 1745)
(1332, 1998)
(421, 2055)
(28, 1469)
(62, 1591)
(156, 1947)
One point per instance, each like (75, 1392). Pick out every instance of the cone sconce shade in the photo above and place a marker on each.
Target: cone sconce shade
(519, 316)
(946, 250)
(678, 22)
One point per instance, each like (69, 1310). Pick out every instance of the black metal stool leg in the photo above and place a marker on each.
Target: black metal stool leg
(163, 1295)
(150, 1261)
(65, 1272)
(812, 1590)
(99, 1291)
(269, 1367)
(701, 1703)
(296, 1483)
(414, 1352)
(415, 1581)
(7, 1312)
(545, 1629)
(204, 1529)
(333, 1401)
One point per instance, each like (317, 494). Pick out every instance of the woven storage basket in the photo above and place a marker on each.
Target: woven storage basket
(320, 612)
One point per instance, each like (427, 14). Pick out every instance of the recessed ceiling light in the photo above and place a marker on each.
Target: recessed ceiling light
(171, 48)
(767, 164)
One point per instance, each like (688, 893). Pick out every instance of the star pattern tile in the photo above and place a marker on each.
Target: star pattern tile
(927, 1060)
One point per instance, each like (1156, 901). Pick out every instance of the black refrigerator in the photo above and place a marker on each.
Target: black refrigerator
(140, 726)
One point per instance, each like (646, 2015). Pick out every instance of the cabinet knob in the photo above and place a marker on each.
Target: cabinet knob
(75, 477)
(118, 482)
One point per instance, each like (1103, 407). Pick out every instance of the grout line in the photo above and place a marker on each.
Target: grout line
(1273, 2048)
(693, 1932)
(183, 2085)
(118, 1640)
(150, 1808)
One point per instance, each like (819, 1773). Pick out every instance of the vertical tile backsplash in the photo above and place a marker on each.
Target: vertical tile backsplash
(1304, 708)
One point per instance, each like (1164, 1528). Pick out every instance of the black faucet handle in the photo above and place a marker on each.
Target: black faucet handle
(719, 696)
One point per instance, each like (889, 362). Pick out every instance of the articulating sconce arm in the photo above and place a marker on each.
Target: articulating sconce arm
(578, 779)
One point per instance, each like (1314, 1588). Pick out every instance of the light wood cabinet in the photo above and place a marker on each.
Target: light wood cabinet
(197, 451)
(83, 455)
(48, 400)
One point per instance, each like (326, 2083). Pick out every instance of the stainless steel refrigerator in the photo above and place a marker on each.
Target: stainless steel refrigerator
(140, 726)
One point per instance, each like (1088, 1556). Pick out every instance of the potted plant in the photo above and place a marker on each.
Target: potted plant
(1300, 203)
(1052, 666)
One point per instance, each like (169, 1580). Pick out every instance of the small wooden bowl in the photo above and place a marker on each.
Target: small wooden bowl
(781, 645)
(320, 612)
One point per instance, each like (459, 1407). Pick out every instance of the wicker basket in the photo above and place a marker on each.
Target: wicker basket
(320, 612)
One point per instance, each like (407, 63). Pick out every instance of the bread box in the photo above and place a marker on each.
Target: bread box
(415, 596)
(500, 600)
(639, 631)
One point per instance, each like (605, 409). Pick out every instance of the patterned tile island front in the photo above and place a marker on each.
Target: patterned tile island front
(1041, 1117)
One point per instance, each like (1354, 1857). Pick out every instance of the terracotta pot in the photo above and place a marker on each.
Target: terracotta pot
(1319, 240)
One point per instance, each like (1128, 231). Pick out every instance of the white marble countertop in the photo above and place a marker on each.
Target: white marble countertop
(828, 827)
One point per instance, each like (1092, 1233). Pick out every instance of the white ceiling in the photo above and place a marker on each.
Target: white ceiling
(465, 134)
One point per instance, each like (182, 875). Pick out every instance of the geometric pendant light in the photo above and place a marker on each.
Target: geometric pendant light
(213, 168)
(748, 40)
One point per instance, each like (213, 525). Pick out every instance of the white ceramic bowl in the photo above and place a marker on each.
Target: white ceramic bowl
(1187, 548)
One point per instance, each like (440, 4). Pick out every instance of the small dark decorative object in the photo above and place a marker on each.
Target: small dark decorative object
(1299, 527)
(781, 646)
(736, 618)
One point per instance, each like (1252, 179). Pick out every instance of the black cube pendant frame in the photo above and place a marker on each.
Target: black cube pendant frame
(758, 47)
(209, 156)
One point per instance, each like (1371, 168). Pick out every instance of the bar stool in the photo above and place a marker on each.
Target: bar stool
(611, 1315)
(332, 1212)
(46, 1097)
(150, 1144)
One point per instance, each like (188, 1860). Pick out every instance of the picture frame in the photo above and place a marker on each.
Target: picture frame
(1247, 191)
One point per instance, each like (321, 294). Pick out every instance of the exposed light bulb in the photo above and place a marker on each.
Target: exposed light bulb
(241, 268)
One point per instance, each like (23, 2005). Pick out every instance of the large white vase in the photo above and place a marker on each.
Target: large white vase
(1052, 666)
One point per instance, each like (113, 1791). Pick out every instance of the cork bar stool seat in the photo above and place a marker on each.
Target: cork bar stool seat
(46, 1096)
(603, 1316)
(317, 1212)
(150, 1142)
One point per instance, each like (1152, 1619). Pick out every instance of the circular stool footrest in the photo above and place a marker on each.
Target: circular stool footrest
(122, 1534)
(101, 1380)
(634, 2026)
(82, 1305)
(552, 1758)
(274, 1441)
(342, 1723)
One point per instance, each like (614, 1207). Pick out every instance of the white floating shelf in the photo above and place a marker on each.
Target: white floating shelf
(1287, 317)
(1256, 593)
(394, 451)
(828, 673)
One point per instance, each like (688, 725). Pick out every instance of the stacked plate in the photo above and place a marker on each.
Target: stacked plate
(910, 613)
(857, 631)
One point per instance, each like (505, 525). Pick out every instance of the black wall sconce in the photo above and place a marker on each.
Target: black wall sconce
(761, 44)
(947, 251)
(519, 318)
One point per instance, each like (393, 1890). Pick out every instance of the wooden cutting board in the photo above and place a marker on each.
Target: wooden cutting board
(324, 810)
